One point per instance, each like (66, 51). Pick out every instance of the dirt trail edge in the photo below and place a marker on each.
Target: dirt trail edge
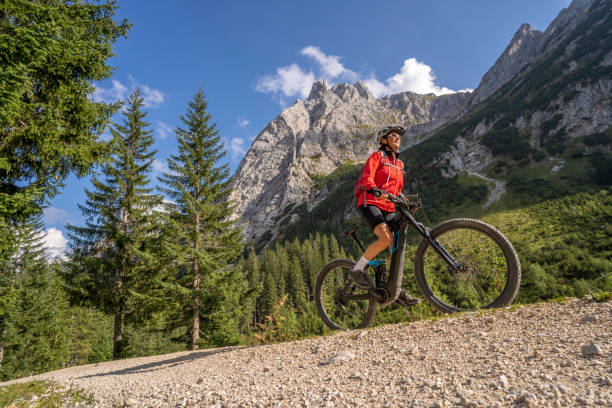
(545, 355)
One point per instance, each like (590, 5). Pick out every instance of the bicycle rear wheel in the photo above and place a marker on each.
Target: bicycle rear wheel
(491, 272)
(342, 305)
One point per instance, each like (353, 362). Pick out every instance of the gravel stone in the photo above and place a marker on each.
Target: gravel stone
(592, 349)
(339, 357)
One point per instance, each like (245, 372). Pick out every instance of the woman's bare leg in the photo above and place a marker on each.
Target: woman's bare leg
(385, 236)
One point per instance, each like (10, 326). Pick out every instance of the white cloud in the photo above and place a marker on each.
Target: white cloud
(152, 98)
(243, 122)
(329, 64)
(163, 130)
(55, 243)
(236, 147)
(160, 166)
(54, 216)
(109, 95)
(162, 207)
(414, 76)
(293, 81)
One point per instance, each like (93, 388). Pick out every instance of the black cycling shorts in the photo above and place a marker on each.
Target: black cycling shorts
(374, 216)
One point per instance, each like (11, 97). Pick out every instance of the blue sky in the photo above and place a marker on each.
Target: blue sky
(254, 58)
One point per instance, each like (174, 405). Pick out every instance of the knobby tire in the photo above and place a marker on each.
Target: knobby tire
(322, 296)
(434, 291)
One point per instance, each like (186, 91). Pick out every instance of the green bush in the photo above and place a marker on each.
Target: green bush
(597, 139)
(508, 141)
(602, 168)
(551, 124)
(576, 153)
(537, 155)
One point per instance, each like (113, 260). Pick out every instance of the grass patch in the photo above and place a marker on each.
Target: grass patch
(600, 296)
(41, 394)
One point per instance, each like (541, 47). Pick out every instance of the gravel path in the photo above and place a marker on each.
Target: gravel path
(544, 355)
(496, 193)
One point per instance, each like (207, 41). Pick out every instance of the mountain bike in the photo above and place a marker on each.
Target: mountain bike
(460, 265)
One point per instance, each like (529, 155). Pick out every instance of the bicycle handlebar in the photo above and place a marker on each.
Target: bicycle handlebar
(400, 199)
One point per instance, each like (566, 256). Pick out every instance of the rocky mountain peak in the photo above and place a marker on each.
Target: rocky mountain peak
(524, 46)
(319, 88)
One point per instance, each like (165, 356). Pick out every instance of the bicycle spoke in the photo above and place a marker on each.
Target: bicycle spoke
(341, 304)
(475, 285)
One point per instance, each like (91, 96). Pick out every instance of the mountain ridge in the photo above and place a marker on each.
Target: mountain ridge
(519, 104)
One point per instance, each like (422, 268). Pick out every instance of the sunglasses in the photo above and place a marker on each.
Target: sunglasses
(394, 135)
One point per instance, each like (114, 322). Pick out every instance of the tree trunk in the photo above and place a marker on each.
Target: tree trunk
(2, 329)
(118, 326)
(117, 338)
(195, 335)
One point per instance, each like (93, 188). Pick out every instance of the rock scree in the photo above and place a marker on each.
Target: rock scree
(556, 354)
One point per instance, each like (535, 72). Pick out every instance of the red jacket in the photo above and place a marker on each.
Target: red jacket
(383, 172)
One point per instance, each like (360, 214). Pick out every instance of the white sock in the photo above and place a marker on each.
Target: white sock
(361, 263)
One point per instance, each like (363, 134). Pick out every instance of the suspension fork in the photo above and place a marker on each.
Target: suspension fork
(438, 247)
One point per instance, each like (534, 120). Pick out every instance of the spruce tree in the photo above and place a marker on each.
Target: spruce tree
(253, 269)
(334, 248)
(255, 283)
(282, 259)
(308, 266)
(204, 239)
(296, 285)
(112, 264)
(51, 52)
(269, 295)
(33, 332)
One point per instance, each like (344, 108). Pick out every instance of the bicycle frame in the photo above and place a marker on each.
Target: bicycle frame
(390, 289)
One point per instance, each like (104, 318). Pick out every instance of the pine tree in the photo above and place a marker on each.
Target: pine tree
(252, 266)
(282, 259)
(296, 285)
(324, 251)
(269, 296)
(49, 125)
(308, 267)
(255, 283)
(198, 216)
(113, 265)
(334, 248)
(33, 335)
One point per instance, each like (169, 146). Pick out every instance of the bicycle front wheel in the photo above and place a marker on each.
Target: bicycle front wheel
(490, 275)
(342, 305)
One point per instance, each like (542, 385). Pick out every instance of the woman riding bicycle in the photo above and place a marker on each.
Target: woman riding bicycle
(382, 173)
